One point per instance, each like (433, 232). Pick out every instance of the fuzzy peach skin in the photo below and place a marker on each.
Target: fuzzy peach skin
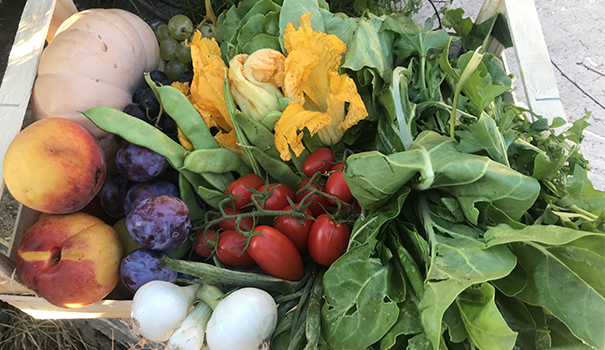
(71, 260)
(54, 166)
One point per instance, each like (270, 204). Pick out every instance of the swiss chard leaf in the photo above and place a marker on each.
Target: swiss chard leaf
(458, 261)
(408, 323)
(561, 262)
(529, 321)
(434, 162)
(484, 323)
(356, 291)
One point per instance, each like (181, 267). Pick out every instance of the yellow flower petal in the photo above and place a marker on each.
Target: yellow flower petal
(182, 87)
(343, 89)
(313, 81)
(266, 66)
(207, 88)
(184, 140)
(288, 129)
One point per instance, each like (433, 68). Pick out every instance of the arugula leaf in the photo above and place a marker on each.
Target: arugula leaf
(356, 290)
(484, 135)
(561, 262)
(483, 321)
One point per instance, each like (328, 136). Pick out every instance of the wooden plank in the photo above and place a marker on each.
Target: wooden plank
(22, 65)
(26, 217)
(538, 77)
(9, 281)
(42, 309)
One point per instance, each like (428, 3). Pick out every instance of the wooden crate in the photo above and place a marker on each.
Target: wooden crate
(538, 77)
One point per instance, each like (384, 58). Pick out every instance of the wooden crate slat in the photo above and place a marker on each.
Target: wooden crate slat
(536, 70)
(22, 66)
(42, 309)
(9, 281)
(26, 218)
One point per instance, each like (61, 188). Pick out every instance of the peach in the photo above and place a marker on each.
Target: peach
(71, 260)
(54, 166)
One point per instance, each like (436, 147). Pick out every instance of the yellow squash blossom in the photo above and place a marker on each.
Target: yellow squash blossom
(207, 87)
(318, 91)
(255, 81)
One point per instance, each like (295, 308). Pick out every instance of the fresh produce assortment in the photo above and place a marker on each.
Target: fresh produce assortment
(305, 179)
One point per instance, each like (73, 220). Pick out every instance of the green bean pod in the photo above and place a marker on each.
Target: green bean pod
(270, 119)
(211, 197)
(188, 196)
(188, 119)
(215, 160)
(276, 168)
(298, 161)
(313, 324)
(257, 134)
(136, 131)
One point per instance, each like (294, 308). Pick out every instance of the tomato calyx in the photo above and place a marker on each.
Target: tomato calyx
(345, 211)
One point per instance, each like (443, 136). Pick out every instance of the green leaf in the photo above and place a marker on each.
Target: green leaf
(485, 83)
(455, 325)
(484, 135)
(368, 47)
(483, 321)
(413, 39)
(529, 321)
(355, 290)
(562, 262)
(366, 229)
(456, 264)
(292, 10)
(452, 18)
(546, 234)
(408, 323)
(434, 162)
(401, 112)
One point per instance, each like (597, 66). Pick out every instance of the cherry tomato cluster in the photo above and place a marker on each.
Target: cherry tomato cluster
(303, 223)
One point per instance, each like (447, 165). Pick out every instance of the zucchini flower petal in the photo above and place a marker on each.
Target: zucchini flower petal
(294, 119)
(207, 89)
(313, 81)
(255, 81)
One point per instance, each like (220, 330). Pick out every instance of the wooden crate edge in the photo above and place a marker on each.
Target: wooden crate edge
(41, 309)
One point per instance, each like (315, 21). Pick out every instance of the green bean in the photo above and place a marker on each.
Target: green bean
(313, 324)
(187, 196)
(215, 275)
(270, 119)
(302, 305)
(298, 338)
(209, 196)
(278, 170)
(257, 134)
(216, 160)
(136, 131)
(188, 119)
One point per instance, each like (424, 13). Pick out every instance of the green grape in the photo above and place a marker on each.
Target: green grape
(162, 33)
(174, 69)
(168, 49)
(180, 26)
(183, 52)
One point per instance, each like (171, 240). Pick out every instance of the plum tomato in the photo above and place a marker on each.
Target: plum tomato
(230, 249)
(275, 254)
(337, 186)
(277, 200)
(201, 245)
(320, 160)
(229, 225)
(328, 240)
(239, 190)
(318, 202)
(297, 233)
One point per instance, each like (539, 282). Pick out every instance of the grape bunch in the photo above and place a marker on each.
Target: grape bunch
(173, 49)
